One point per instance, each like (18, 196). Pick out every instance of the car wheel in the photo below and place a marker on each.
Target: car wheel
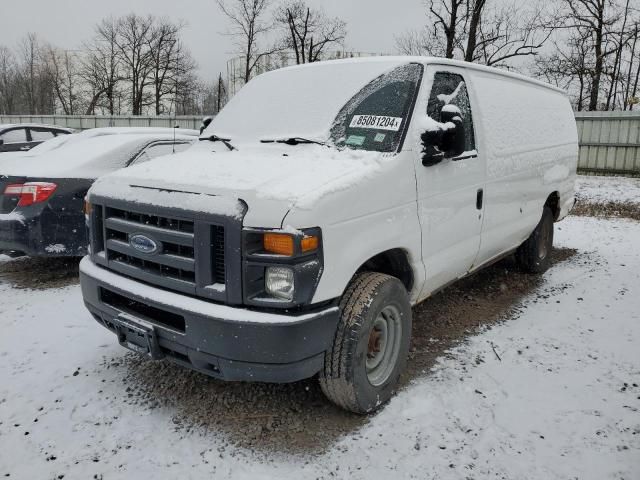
(534, 255)
(371, 345)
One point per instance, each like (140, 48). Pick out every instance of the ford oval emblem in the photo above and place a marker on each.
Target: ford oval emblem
(143, 244)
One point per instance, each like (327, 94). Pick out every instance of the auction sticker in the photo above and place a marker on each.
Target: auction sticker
(376, 122)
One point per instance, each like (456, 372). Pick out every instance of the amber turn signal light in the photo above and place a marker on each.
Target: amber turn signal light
(310, 243)
(279, 243)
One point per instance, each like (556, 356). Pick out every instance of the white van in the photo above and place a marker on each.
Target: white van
(320, 205)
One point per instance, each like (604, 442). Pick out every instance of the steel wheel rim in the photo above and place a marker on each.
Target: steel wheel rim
(383, 345)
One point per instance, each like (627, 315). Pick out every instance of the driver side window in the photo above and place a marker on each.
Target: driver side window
(451, 89)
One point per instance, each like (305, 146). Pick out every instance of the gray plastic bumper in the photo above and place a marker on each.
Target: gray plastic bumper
(229, 343)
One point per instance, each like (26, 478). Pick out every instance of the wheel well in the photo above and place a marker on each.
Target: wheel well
(553, 202)
(393, 262)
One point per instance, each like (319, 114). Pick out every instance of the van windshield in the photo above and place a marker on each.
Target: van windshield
(313, 102)
(377, 117)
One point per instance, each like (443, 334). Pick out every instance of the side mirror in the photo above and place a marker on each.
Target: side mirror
(446, 140)
(454, 139)
(1, 141)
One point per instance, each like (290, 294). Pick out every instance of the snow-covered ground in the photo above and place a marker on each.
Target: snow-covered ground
(561, 401)
(597, 189)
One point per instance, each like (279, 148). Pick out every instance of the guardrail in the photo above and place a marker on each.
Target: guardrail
(609, 141)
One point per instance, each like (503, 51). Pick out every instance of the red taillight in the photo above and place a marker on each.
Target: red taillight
(31, 192)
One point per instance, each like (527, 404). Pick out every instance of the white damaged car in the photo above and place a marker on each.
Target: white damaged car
(320, 205)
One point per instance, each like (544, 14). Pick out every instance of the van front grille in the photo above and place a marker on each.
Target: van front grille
(172, 251)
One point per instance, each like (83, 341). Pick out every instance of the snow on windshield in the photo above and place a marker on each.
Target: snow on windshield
(300, 101)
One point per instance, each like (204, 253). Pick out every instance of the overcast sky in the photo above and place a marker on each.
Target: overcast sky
(372, 24)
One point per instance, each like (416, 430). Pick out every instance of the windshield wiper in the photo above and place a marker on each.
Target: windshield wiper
(295, 141)
(215, 138)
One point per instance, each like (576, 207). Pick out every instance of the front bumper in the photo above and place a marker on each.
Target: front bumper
(229, 343)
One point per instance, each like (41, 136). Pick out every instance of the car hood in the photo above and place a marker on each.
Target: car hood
(270, 179)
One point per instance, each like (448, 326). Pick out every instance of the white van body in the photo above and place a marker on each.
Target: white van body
(433, 224)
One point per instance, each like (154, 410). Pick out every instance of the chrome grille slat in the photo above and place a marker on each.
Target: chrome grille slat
(164, 235)
(173, 283)
(169, 260)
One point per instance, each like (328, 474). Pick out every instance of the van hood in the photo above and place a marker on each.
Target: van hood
(270, 179)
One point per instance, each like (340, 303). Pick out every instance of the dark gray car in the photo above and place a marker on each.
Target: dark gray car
(42, 195)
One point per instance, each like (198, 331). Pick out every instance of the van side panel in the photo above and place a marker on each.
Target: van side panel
(529, 136)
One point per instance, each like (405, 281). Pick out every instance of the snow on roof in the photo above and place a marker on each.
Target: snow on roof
(87, 156)
(97, 132)
(304, 100)
(433, 61)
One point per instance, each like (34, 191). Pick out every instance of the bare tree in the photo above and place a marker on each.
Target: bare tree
(134, 36)
(631, 87)
(220, 94)
(509, 32)
(596, 18)
(102, 68)
(478, 31)
(30, 57)
(65, 75)
(248, 26)
(308, 32)
(9, 83)
(170, 61)
(568, 67)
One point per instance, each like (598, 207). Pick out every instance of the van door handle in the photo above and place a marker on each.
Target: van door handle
(479, 199)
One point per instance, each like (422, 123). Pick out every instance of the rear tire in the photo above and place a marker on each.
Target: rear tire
(371, 345)
(534, 255)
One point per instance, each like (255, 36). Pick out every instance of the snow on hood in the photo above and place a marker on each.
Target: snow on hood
(301, 101)
(295, 176)
(83, 156)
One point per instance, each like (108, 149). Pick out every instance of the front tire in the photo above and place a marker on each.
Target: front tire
(534, 255)
(371, 345)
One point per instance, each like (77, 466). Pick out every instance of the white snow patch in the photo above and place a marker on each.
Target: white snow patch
(56, 248)
(299, 176)
(560, 404)
(292, 230)
(192, 202)
(593, 189)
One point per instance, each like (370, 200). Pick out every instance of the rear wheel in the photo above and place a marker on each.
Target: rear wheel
(371, 345)
(534, 255)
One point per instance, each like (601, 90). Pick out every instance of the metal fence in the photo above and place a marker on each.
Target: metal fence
(609, 141)
(84, 122)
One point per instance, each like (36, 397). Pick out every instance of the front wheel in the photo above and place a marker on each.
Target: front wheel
(534, 255)
(371, 345)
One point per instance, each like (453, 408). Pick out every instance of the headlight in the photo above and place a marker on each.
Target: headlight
(279, 282)
(281, 267)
